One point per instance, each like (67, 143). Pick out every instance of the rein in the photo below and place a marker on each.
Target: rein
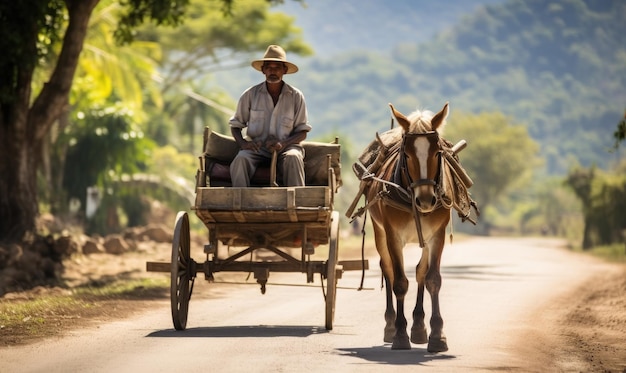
(405, 176)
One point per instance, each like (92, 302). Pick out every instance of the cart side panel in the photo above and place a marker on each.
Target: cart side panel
(278, 199)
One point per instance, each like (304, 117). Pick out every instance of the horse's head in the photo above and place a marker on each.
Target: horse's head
(422, 151)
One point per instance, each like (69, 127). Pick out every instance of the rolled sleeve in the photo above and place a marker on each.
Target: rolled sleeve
(301, 118)
(242, 114)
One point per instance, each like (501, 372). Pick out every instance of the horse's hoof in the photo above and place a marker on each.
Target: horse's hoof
(419, 335)
(437, 345)
(401, 343)
(389, 334)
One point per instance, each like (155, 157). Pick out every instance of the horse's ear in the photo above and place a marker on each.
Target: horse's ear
(440, 117)
(402, 120)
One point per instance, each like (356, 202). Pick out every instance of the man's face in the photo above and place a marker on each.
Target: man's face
(274, 71)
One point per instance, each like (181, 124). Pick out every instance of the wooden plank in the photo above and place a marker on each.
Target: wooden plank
(291, 204)
(237, 206)
(158, 267)
(348, 265)
(302, 216)
(354, 265)
(225, 198)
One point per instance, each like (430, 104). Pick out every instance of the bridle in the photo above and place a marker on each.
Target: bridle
(406, 179)
(436, 182)
(433, 137)
(402, 184)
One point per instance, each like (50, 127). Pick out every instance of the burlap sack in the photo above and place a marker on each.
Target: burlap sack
(368, 156)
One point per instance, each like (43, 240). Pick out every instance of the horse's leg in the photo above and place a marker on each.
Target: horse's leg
(437, 341)
(400, 286)
(419, 334)
(385, 266)
(390, 313)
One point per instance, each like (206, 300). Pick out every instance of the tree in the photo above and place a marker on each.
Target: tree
(620, 132)
(24, 121)
(603, 198)
(30, 30)
(107, 75)
(499, 156)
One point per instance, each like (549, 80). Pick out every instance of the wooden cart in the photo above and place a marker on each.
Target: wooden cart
(271, 218)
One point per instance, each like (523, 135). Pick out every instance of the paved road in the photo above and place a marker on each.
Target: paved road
(492, 290)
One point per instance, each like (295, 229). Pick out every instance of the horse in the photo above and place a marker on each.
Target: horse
(407, 203)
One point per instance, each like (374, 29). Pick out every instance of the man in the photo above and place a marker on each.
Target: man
(275, 116)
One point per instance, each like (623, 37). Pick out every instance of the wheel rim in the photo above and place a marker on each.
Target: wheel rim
(331, 270)
(181, 275)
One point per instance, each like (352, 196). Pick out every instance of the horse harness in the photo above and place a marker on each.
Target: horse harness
(400, 194)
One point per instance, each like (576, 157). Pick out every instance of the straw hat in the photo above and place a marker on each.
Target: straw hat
(275, 53)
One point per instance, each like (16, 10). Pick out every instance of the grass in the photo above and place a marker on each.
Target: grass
(41, 315)
(615, 253)
(140, 288)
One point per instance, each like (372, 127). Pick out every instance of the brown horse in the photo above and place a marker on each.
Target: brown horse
(409, 201)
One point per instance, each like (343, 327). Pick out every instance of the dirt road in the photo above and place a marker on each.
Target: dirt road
(502, 301)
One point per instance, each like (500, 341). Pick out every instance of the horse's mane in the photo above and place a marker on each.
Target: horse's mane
(420, 121)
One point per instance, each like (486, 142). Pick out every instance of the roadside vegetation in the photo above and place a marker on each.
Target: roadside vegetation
(47, 312)
(615, 253)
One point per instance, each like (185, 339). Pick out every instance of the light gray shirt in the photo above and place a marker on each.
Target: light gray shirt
(257, 113)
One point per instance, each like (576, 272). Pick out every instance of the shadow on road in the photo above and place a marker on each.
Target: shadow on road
(384, 355)
(477, 272)
(256, 331)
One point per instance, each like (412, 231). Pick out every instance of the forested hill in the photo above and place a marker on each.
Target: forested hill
(332, 26)
(557, 67)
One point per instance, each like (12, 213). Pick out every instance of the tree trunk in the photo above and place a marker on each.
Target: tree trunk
(23, 129)
(18, 189)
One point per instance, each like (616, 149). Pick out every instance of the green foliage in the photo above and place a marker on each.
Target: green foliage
(104, 144)
(39, 316)
(547, 207)
(614, 253)
(161, 12)
(26, 47)
(167, 162)
(107, 70)
(126, 199)
(603, 197)
(620, 132)
(500, 156)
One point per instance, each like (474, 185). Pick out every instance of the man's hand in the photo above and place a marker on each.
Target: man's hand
(243, 143)
(251, 145)
(273, 144)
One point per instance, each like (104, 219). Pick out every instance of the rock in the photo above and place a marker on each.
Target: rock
(65, 246)
(48, 223)
(115, 244)
(156, 233)
(15, 254)
(92, 247)
(44, 246)
(133, 233)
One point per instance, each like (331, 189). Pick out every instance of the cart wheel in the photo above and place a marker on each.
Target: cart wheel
(181, 272)
(331, 270)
